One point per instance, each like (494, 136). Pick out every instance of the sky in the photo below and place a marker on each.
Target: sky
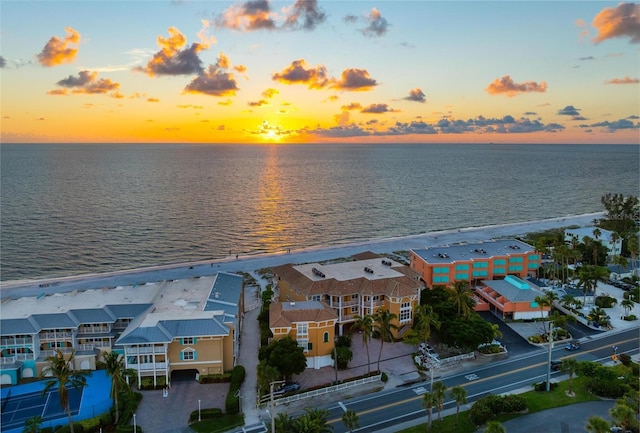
(307, 71)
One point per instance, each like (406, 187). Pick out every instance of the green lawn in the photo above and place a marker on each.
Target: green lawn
(218, 425)
(536, 401)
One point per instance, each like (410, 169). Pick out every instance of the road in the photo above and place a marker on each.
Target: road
(403, 405)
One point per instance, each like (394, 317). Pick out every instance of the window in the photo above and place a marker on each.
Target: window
(499, 262)
(442, 279)
(462, 276)
(462, 267)
(354, 296)
(188, 355)
(499, 270)
(316, 298)
(325, 337)
(354, 309)
(515, 268)
(441, 270)
(302, 329)
(477, 265)
(515, 259)
(188, 340)
(405, 312)
(533, 266)
(534, 257)
(480, 273)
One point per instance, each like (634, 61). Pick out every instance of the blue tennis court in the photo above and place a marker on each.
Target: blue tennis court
(16, 409)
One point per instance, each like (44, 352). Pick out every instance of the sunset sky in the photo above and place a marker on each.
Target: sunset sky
(313, 71)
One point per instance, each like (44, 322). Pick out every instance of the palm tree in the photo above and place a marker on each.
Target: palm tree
(585, 281)
(494, 427)
(597, 424)
(313, 421)
(542, 302)
(568, 300)
(625, 415)
(570, 365)
(439, 391)
(459, 394)
(628, 305)
(428, 401)
(382, 323)
(596, 235)
(365, 325)
(62, 376)
(462, 297)
(33, 425)
(350, 420)
(497, 333)
(282, 423)
(119, 373)
(598, 316)
(425, 318)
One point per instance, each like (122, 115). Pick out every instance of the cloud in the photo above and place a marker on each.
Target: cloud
(350, 18)
(58, 51)
(378, 25)
(416, 95)
(86, 82)
(586, 58)
(337, 131)
(507, 86)
(298, 73)
(259, 103)
(414, 127)
(270, 93)
(213, 81)
(304, 14)
(354, 80)
(569, 110)
(376, 109)
(240, 69)
(616, 125)
(203, 35)
(248, 16)
(351, 106)
(625, 80)
(172, 59)
(153, 100)
(621, 21)
(3, 62)
(530, 113)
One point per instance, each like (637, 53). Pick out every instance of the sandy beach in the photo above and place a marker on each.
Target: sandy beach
(249, 263)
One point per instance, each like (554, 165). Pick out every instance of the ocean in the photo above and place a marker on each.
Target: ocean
(69, 209)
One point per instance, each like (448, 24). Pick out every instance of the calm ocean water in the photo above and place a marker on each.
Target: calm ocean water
(74, 209)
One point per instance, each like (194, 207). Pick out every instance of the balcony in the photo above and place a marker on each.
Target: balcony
(148, 366)
(63, 335)
(100, 329)
(14, 341)
(17, 357)
(46, 353)
(144, 350)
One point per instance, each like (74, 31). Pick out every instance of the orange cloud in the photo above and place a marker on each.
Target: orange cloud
(625, 80)
(270, 93)
(416, 95)
(214, 82)
(87, 83)
(355, 80)
(298, 73)
(172, 59)
(507, 86)
(57, 51)
(352, 106)
(618, 22)
(252, 15)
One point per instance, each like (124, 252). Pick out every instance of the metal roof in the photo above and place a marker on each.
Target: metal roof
(473, 251)
(54, 321)
(195, 328)
(17, 327)
(93, 315)
(514, 289)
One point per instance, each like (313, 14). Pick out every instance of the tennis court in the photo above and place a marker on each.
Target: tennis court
(16, 409)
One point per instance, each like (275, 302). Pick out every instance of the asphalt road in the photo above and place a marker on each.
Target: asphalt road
(388, 410)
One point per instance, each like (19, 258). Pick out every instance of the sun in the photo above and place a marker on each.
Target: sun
(269, 132)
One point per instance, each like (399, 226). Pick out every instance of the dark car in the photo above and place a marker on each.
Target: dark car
(574, 345)
(288, 388)
(556, 365)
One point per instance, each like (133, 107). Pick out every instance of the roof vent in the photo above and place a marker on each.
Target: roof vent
(318, 273)
(368, 270)
(386, 262)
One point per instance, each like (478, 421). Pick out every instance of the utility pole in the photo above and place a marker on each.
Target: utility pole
(549, 361)
(273, 418)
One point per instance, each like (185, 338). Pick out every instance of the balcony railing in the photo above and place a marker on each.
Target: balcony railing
(8, 341)
(55, 335)
(65, 350)
(17, 357)
(94, 329)
(144, 350)
(146, 366)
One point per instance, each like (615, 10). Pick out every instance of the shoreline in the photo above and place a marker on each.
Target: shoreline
(251, 262)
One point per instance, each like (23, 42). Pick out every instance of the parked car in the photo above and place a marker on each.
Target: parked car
(556, 365)
(574, 345)
(287, 388)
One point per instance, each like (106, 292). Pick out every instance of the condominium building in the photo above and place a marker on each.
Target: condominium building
(311, 323)
(160, 327)
(608, 239)
(357, 287)
(510, 298)
(473, 262)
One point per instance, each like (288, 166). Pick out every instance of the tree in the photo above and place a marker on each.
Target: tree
(344, 355)
(285, 355)
(428, 401)
(596, 235)
(459, 394)
(115, 367)
(570, 365)
(597, 424)
(33, 425)
(542, 302)
(439, 393)
(350, 420)
(365, 325)
(628, 305)
(64, 377)
(625, 415)
(621, 214)
(424, 320)
(462, 297)
(494, 427)
(266, 374)
(313, 421)
(382, 323)
(282, 423)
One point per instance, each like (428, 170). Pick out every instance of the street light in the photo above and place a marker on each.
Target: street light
(135, 428)
(199, 417)
(433, 364)
(273, 418)
(549, 360)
